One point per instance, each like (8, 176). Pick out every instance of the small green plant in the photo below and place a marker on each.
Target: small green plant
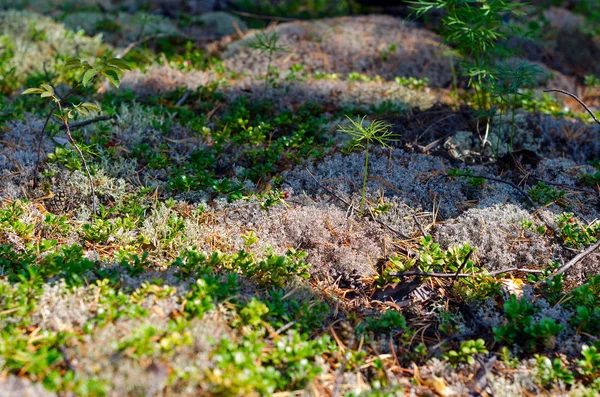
(474, 29)
(585, 301)
(574, 234)
(590, 179)
(412, 82)
(589, 365)
(466, 352)
(473, 181)
(507, 88)
(389, 321)
(528, 225)
(544, 194)
(521, 328)
(388, 51)
(267, 42)
(553, 371)
(112, 69)
(364, 136)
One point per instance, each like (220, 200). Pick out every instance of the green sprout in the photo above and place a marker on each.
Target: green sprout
(363, 137)
(266, 42)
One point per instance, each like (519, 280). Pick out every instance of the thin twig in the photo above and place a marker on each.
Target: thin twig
(65, 356)
(267, 17)
(573, 261)
(463, 275)
(86, 122)
(462, 265)
(87, 170)
(517, 188)
(43, 132)
(578, 100)
(423, 232)
(39, 146)
(326, 188)
(391, 229)
(131, 46)
(185, 96)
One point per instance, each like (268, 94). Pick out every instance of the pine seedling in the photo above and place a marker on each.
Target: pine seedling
(266, 42)
(363, 137)
(112, 69)
(509, 82)
(473, 29)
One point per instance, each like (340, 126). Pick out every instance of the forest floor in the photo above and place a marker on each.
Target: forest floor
(229, 247)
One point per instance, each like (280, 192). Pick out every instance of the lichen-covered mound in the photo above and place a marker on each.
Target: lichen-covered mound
(372, 45)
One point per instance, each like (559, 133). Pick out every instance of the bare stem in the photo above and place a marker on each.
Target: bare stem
(87, 170)
(365, 176)
(578, 100)
(41, 137)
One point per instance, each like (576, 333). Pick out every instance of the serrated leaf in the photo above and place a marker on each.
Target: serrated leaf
(88, 76)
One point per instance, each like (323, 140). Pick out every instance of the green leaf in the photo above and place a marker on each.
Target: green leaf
(34, 91)
(73, 63)
(112, 77)
(47, 87)
(112, 69)
(119, 63)
(88, 76)
(90, 106)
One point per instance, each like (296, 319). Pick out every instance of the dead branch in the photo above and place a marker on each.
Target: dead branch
(326, 188)
(517, 188)
(423, 232)
(134, 44)
(578, 100)
(572, 262)
(86, 122)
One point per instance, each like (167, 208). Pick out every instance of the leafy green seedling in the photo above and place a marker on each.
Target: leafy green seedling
(574, 234)
(553, 371)
(362, 137)
(508, 84)
(112, 69)
(465, 354)
(544, 194)
(589, 365)
(521, 328)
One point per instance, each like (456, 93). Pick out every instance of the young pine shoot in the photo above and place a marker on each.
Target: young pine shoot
(267, 42)
(509, 82)
(364, 136)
